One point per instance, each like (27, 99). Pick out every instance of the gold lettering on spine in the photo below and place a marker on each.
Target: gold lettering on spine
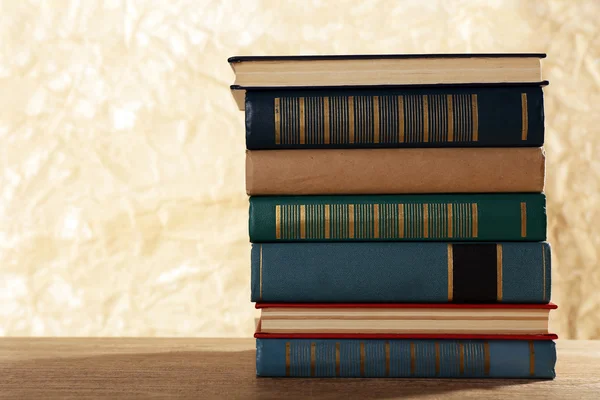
(486, 358)
(302, 221)
(327, 220)
(499, 272)
(351, 119)
(277, 222)
(425, 221)
(326, 129)
(351, 221)
(376, 119)
(302, 122)
(401, 221)
(387, 358)
(543, 273)
(450, 112)
(450, 273)
(461, 358)
(474, 218)
(376, 221)
(362, 359)
(523, 219)
(260, 263)
(437, 358)
(337, 359)
(413, 359)
(277, 120)
(475, 117)
(425, 119)
(449, 220)
(524, 116)
(531, 358)
(287, 358)
(400, 119)
(313, 358)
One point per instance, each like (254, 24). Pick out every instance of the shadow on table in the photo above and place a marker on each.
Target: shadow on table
(205, 375)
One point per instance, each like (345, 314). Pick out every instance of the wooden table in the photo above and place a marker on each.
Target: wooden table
(224, 369)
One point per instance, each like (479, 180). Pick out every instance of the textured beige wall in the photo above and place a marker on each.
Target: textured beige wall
(122, 205)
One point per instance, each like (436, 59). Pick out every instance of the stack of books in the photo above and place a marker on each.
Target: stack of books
(397, 215)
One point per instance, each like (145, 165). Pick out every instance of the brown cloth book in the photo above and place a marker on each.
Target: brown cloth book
(394, 171)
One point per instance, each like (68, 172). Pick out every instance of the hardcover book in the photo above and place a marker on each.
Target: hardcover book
(503, 116)
(442, 217)
(405, 319)
(406, 358)
(401, 272)
(394, 171)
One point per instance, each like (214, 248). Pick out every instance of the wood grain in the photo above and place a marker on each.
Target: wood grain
(224, 369)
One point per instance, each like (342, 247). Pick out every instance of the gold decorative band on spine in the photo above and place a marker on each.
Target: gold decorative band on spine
(276, 108)
(475, 117)
(413, 359)
(531, 358)
(327, 220)
(425, 119)
(400, 119)
(375, 119)
(523, 219)
(351, 119)
(450, 273)
(313, 359)
(351, 221)
(437, 358)
(401, 221)
(302, 122)
(543, 273)
(449, 220)
(387, 358)
(524, 117)
(461, 358)
(302, 221)
(425, 220)
(277, 222)
(337, 359)
(326, 129)
(260, 263)
(499, 272)
(288, 356)
(450, 113)
(362, 359)
(376, 221)
(475, 219)
(486, 358)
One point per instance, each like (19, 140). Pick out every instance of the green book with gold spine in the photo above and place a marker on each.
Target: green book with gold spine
(445, 217)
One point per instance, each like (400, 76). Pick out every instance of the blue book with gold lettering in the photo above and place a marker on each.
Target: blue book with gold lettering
(405, 358)
(426, 116)
(401, 272)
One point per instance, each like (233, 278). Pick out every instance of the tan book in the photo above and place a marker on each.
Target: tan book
(395, 171)
(405, 319)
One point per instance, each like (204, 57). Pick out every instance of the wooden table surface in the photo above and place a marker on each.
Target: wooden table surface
(224, 369)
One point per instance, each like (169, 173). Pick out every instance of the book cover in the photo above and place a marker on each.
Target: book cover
(297, 118)
(395, 171)
(406, 358)
(472, 217)
(401, 272)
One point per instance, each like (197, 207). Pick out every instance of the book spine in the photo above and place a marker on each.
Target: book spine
(401, 272)
(476, 217)
(394, 171)
(443, 117)
(532, 359)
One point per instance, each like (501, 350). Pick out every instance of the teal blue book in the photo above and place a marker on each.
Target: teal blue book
(401, 117)
(401, 272)
(378, 358)
(426, 217)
